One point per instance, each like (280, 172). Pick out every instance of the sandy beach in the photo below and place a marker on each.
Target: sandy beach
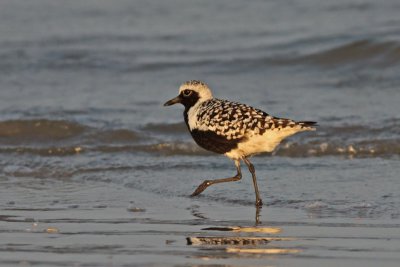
(102, 224)
(117, 238)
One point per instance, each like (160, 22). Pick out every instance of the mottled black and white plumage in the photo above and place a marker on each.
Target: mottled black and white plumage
(234, 129)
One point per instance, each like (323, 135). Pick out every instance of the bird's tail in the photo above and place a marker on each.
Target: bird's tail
(307, 125)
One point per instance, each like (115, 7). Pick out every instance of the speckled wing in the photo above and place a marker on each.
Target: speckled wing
(236, 121)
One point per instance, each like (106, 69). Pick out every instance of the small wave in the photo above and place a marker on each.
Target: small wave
(317, 204)
(65, 138)
(42, 130)
(169, 128)
(288, 149)
(376, 53)
(115, 136)
(329, 208)
(347, 140)
(379, 53)
(378, 148)
(166, 149)
(46, 151)
(68, 57)
(356, 149)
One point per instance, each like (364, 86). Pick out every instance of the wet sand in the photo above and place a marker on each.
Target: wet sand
(153, 231)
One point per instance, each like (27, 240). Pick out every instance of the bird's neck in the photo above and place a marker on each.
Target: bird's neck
(190, 114)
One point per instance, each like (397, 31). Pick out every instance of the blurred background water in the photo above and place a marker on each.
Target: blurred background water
(82, 85)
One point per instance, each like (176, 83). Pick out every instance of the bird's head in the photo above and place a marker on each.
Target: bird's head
(190, 93)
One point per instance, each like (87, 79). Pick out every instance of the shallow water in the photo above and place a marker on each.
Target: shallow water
(94, 171)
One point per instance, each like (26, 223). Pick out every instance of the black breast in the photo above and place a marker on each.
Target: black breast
(209, 140)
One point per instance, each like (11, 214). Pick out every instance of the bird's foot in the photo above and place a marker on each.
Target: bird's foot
(201, 188)
(259, 203)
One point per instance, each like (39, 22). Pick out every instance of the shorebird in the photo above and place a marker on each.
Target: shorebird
(236, 130)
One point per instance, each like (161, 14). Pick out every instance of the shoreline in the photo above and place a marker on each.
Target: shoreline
(153, 236)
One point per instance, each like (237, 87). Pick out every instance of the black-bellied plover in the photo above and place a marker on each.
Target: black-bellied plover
(236, 130)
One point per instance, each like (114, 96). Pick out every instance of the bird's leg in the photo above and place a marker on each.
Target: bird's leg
(258, 209)
(253, 174)
(207, 183)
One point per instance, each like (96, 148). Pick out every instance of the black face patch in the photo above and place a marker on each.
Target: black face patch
(189, 98)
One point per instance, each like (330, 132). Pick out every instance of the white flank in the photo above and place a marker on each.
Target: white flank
(267, 142)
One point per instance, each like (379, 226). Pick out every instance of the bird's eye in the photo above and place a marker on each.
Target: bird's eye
(187, 92)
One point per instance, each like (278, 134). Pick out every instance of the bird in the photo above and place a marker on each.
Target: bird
(233, 129)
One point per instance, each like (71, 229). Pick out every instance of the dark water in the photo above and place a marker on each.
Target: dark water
(84, 139)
